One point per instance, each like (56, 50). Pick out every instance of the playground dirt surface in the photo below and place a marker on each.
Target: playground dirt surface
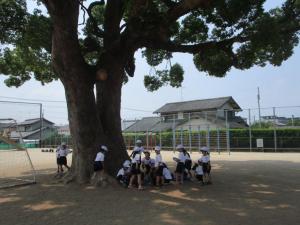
(248, 188)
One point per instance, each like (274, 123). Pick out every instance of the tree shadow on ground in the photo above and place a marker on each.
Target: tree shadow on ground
(244, 192)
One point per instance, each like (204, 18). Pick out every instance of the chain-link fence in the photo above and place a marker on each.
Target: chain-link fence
(266, 129)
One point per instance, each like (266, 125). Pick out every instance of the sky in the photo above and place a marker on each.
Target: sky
(279, 86)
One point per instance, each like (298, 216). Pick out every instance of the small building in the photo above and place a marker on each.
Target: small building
(63, 130)
(32, 129)
(215, 113)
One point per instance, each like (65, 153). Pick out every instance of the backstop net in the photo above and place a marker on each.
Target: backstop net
(19, 131)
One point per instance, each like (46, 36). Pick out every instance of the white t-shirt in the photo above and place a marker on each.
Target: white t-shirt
(63, 152)
(199, 170)
(99, 157)
(167, 174)
(205, 158)
(121, 172)
(158, 160)
(139, 149)
(136, 158)
(150, 162)
(181, 157)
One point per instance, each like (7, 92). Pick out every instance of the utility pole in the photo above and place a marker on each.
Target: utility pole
(258, 102)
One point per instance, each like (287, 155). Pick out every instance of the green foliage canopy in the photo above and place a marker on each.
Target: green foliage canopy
(220, 34)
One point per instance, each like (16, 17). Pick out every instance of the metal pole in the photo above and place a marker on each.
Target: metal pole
(190, 138)
(174, 137)
(258, 102)
(147, 140)
(160, 144)
(135, 132)
(199, 137)
(218, 140)
(181, 135)
(208, 137)
(250, 130)
(227, 132)
(41, 125)
(275, 133)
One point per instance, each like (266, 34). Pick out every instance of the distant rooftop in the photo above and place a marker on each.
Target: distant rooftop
(32, 121)
(198, 105)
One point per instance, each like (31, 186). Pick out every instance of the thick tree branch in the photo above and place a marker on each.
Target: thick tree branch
(98, 31)
(113, 16)
(185, 6)
(193, 49)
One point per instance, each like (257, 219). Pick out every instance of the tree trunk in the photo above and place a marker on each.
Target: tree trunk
(109, 106)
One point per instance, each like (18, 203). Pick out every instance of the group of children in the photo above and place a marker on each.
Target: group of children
(142, 170)
(154, 171)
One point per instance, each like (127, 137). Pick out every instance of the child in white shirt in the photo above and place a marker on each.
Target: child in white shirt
(136, 168)
(199, 171)
(180, 164)
(123, 175)
(158, 167)
(206, 165)
(168, 177)
(148, 165)
(99, 162)
(61, 154)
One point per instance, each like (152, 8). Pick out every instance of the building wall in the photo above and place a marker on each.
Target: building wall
(202, 122)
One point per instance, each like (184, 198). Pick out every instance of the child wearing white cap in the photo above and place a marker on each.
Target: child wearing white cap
(136, 168)
(158, 167)
(99, 162)
(123, 175)
(199, 171)
(148, 165)
(61, 154)
(180, 164)
(206, 164)
(138, 146)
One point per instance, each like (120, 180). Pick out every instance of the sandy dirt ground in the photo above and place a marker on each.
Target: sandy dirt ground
(248, 188)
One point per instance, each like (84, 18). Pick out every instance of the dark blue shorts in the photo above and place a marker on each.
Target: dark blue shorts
(98, 166)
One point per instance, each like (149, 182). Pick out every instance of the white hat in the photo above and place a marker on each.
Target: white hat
(63, 143)
(157, 148)
(138, 141)
(180, 146)
(126, 163)
(204, 149)
(103, 147)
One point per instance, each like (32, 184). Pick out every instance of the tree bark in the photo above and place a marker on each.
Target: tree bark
(109, 106)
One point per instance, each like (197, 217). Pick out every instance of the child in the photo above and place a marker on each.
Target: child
(57, 160)
(158, 167)
(63, 151)
(99, 162)
(136, 168)
(123, 175)
(199, 171)
(148, 167)
(168, 176)
(138, 146)
(188, 164)
(180, 164)
(206, 165)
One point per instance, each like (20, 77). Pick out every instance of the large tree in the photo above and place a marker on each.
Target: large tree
(81, 50)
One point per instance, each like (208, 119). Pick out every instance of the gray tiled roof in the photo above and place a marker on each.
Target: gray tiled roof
(143, 125)
(25, 134)
(32, 121)
(197, 105)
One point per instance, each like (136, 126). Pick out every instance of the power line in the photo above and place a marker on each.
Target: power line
(53, 101)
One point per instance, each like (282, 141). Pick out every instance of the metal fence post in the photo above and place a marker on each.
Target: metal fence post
(190, 137)
(227, 132)
(275, 133)
(160, 144)
(208, 137)
(174, 137)
(250, 130)
(199, 138)
(181, 135)
(218, 140)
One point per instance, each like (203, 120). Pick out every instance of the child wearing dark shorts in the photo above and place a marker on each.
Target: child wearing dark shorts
(206, 165)
(159, 181)
(180, 164)
(136, 169)
(99, 162)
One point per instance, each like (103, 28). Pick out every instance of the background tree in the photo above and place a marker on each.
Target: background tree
(220, 34)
